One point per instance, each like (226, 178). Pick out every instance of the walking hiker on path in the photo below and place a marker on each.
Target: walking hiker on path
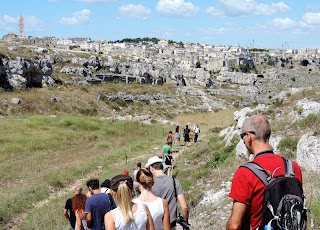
(158, 207)
(168, 188)
(78, 206)
(168, 160)
(127, 216)
(97, 205)
(196, 131)
(186, 132)
(105, 186)
(68, 211)
(247, 189)
(169, 138)
(166, 149)
(134, 178)
(177, 136)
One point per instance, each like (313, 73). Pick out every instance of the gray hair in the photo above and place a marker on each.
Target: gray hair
(259, 125)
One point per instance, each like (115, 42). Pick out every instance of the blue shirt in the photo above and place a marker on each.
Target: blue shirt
(98, 205)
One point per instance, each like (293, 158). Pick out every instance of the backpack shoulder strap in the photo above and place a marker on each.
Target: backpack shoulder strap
(288, 167)
(260, 172)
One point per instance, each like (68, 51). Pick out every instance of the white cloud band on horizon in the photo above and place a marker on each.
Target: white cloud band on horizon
(135, 11)
(176, 8)
(77, 18)
(31, 23)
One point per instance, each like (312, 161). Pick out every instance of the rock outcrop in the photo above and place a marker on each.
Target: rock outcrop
(308, 152)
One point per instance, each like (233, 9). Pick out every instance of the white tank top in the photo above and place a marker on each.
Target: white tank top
(156, 211)
(139, 221)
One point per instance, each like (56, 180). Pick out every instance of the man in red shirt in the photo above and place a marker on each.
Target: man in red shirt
(247, 190)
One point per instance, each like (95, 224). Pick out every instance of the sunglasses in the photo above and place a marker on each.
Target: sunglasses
(245, 133)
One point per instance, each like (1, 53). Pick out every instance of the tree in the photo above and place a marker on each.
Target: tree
(198, 64)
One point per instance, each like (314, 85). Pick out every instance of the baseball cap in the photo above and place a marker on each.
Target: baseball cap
(153, 160)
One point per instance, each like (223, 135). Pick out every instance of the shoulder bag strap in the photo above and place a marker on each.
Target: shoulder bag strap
(175, 194)
(258, 171)
(288, 167)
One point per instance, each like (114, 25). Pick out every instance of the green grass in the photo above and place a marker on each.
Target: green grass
(315, 209)
(41, 154)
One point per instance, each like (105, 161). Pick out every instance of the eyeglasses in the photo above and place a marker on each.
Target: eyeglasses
(245, 133)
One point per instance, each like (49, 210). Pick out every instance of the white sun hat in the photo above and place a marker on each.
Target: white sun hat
(153, 160)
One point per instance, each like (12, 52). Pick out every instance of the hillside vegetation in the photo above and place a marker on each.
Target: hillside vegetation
(44, 156)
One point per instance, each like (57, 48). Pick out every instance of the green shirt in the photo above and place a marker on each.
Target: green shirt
(166, 149)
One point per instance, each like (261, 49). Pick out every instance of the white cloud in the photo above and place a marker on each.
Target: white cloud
(8, 20)
(135, 11)
(274, 8)
(236, 8)
(311, 18)
(8, 23)
(214, 12)
(32, 23)
(77, 18)
(284, 23)
(176, 8)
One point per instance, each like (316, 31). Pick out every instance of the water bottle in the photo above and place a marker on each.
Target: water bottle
(266, 227)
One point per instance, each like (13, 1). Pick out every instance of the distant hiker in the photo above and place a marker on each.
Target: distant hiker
(134, 178)
(126, 172)
(127, 216)
(105, 186)
(78, 205)
(186, 132)
(68, 211)
(167, 188)
(158, 207)
(166, 149)
(177, 135)
(196, 131)
(168, 160)
(247, 189)
(97, 206)
(191, 135)
(170, 138)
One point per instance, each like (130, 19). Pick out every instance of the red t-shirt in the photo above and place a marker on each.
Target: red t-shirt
(248, 189)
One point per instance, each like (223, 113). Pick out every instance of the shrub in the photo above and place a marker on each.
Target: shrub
(288, 147)
(312, 120)
(277, 102)
(219, 157)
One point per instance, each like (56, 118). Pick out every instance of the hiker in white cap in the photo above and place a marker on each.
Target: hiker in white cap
(167, 188)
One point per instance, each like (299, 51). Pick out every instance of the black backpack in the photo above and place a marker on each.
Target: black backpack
(284, 205)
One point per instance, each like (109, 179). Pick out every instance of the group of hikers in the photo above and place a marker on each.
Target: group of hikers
(190, 135)
(149, 198)
(146, 200)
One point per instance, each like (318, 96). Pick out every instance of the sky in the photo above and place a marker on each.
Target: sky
(288, 24)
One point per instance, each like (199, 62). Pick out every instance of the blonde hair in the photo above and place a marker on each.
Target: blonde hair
(122, 185)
